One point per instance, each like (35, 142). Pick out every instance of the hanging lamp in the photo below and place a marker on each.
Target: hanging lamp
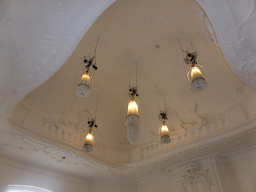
(164, 131)
(195, 73)
(84, 85)
(85, 82)
(132, 118)
(89, 139)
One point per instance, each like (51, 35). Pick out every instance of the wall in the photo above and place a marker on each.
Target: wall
(199, 174)
(232, 172)
(238, 171)
(14, 172)
(114, 188)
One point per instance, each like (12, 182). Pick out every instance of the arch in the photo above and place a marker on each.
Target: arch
(230, 27)
(27, 188)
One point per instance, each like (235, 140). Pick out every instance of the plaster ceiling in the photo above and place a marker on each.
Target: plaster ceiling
(146, 33)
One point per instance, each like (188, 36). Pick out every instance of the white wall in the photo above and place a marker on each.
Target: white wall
(14, 172)
(238, 171)
(234, 172)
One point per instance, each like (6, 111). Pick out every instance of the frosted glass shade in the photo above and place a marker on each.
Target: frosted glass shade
(199, 84)
(83, 91)
(132, 126)
(197, 79)
(165, 139)
(87, 148)
(164, 133)
(88, 143)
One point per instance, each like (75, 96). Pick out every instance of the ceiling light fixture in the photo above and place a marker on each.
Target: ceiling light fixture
(132, 118)
(89, 139)
(164, 131)
(84, 84)
(195, 73)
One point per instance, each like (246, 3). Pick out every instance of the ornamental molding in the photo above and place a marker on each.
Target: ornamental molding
(69, 129)
(233, 35)
(166, 162)
(203, 128)
(197, 179)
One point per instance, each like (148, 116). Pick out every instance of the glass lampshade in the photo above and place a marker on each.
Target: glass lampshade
(164, 130)
(164, 133)
(89, 138)
(85, 79)
(197, 80)
(88, 143)
(83, 88)
(133, 108)
(196, 73)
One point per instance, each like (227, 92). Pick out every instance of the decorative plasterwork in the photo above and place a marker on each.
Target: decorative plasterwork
(197, 180)
(233, 35)
(156, 158)
(231, 38)
(201, 127)
(70, 128)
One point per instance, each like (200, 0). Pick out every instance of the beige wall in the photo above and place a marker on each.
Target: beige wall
(238, 171)
(235, 172)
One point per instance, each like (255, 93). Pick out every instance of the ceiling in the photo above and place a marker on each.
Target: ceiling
(132, 34)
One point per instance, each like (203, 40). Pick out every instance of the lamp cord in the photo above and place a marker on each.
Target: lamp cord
(97, 107)
(95, 50)
(136, 74)
(180, 46)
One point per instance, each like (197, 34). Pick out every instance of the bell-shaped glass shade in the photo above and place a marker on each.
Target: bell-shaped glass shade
(83, 88)
(85, 79)
(164, 130)
(133, 108)
(196, 73)
(196, 78)
(88, 143)
(164, 133)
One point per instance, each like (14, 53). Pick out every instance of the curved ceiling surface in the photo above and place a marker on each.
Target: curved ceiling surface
(142, 33)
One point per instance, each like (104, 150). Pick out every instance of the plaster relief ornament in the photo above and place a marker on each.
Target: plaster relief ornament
(69, 123)
(197, 180)
(132, 118)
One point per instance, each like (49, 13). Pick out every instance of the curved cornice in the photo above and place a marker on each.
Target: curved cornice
(226, 141)
(238, 50)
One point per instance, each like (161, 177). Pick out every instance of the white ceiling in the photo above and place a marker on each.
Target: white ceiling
(145, 33)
